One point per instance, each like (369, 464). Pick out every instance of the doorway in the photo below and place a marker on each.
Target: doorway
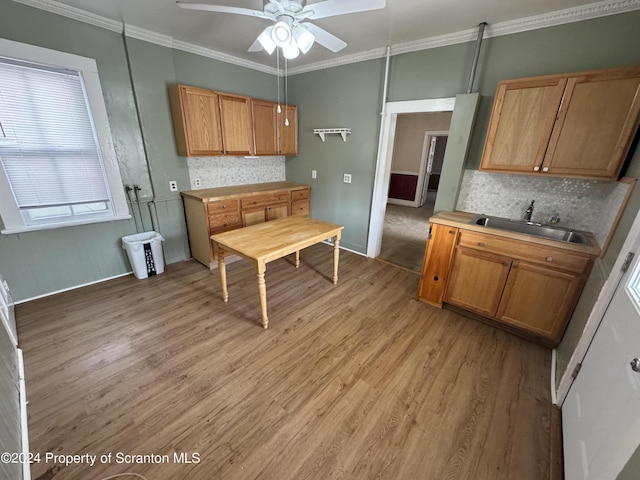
(462, 122)
(418, 155)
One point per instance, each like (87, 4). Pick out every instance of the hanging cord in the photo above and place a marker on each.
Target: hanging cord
(128, 189)
(278, 75)
(286, 93)
(136, 189)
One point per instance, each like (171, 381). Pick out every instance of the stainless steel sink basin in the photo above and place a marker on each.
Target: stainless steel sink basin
(520, 226)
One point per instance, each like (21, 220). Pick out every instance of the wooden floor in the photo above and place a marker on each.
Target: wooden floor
(354, 381)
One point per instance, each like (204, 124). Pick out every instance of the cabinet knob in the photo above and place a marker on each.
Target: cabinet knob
(452, 232)
(549, 259)
(224, 206)
(545, 169)
(536, 168)
(481, 244)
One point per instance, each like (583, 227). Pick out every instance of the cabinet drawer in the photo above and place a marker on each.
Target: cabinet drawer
(264, 200)
(550, 257)
(222, 206)
(299, 194)
(301, 207)
(231, 219)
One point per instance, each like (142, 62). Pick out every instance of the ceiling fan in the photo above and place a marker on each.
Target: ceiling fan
(291, 31)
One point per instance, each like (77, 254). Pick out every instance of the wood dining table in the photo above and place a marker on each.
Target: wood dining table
(265, 242)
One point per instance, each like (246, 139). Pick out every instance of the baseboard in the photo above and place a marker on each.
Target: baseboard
(44, 295)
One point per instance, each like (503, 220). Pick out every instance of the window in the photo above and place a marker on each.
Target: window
(56, 152)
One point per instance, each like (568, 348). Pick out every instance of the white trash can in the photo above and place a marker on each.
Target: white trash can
(145, 253)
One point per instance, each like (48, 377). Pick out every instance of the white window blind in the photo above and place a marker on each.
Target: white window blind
(48, 147)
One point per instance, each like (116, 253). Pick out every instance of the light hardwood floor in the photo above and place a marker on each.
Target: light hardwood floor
(354, 381)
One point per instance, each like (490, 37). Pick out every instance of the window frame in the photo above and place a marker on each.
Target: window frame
(11, 216)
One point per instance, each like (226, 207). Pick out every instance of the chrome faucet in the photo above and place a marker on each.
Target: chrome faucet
(529, 212)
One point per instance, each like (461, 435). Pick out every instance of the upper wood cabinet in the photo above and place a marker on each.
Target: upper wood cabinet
(210, 123)
(271, 133)
(573, 125)
(264, 127)
(196, 121)
(236, 120)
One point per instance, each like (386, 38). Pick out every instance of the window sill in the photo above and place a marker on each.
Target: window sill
(51, 226)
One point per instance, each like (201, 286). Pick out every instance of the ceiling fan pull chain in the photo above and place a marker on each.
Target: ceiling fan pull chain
(286, 93)
(278, 109)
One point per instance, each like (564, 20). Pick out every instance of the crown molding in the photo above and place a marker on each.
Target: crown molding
(74, 13)
(223, 57)
(148, 35)
(569, 15)
(560, 17)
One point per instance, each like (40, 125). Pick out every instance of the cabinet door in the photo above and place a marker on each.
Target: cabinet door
(435, 266)
(253, 216)
(196, 121)
(596, 125)
(522, 119)
(264, 127)
(288, 134)
(275, 212)
(538, 300)
(237, 135)
(476, 280)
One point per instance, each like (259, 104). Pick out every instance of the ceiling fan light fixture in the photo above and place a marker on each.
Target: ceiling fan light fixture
(291, 50)
(303, 38)
(266, 41)
(281, 34)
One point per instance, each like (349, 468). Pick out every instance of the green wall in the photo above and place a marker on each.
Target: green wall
(134, 76)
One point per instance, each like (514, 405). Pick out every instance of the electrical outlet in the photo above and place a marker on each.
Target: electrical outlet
(197, 182)
(314, 174)
(347, 178)
(173, 186)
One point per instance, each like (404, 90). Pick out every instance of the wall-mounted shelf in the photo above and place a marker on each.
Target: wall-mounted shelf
(323, 131)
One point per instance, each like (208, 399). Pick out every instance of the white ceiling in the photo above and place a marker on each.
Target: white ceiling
(405, 25)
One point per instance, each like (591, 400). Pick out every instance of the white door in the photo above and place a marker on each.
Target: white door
(601, 414)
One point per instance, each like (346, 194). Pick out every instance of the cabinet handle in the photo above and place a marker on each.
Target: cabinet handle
(549, 259)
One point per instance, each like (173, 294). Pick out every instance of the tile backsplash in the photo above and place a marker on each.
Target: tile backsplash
(590, 205)
(225, 171)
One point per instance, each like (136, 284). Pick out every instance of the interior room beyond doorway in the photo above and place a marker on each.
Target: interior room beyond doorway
(418, 153)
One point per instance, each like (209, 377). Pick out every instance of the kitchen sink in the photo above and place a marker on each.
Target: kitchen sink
(529, 228)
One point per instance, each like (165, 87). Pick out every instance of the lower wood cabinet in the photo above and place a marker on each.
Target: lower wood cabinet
(528, 287)
(262, 208)
(217, 210)
(477, 280)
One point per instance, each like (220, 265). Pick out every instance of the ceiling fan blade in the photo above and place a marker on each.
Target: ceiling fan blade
(222, 9)
(255, 46)
(331, 8)
(325, 38)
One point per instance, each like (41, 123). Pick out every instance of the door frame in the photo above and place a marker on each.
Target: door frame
(599, 310)
(385, 155)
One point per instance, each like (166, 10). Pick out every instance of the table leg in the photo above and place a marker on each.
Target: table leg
(336, 257)
(297, 258)
(223, 274)
(262, 291)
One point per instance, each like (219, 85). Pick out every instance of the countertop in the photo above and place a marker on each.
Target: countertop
(462, 219)
(212, 194)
